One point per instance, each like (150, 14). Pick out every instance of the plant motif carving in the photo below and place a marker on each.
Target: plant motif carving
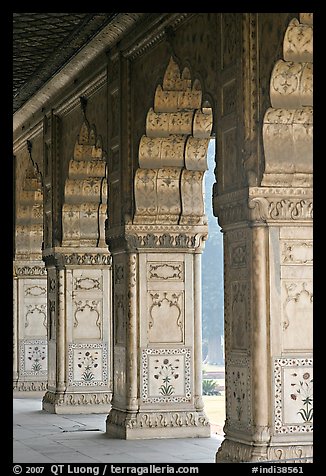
(87, 365)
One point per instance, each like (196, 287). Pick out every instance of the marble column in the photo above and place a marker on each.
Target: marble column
(157, 272)
(268, 276)
(79, 278)
(29, 280)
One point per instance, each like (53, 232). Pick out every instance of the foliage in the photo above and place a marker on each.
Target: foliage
(209, 387)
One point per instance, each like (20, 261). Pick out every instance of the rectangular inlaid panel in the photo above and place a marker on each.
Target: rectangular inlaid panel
(166, 375)
(87, 365)
(293, 384)
(33, 358)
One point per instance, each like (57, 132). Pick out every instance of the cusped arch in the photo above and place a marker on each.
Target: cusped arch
(172, 153)
(85, 193)
(29, 216)
(288, 124)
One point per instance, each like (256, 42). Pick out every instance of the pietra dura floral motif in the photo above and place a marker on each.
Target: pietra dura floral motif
(33, 360)
(293, 395)
(166, 375)
(87, 364)
(303, 391)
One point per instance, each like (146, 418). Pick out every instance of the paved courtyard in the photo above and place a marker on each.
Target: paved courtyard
(40, 437)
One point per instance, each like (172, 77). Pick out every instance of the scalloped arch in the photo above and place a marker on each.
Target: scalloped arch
(172, 153)
(288, 124)
(85, 193)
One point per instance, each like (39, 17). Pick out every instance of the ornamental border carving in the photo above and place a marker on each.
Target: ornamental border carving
(29, 270)
(157, 419)
(93, 398)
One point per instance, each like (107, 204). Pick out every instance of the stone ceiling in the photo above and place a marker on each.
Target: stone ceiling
(44, 42)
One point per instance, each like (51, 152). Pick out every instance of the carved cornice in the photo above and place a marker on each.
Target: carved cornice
(265, 205)
(157, 33)
(273, 205)
(29, 270)
(30, 134)
(88, 89)
(60, 258)
(135, 237)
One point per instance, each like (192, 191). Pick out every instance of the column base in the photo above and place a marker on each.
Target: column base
(236, 452)
(30, 386)
(133, 426)
(76, 403)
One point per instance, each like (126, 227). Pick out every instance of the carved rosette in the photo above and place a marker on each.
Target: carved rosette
(172, 154)
(288, 124)
(84, 209)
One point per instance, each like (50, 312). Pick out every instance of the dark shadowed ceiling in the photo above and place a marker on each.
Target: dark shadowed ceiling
(44, 42)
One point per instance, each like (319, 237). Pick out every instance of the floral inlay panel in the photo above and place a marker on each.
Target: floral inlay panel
(33, 358)
(166, 375)
(87, 365)
(293, 395)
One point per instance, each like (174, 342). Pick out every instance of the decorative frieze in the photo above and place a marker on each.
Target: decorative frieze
(158, 420)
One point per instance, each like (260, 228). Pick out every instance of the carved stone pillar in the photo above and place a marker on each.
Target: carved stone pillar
(268, 277)
(79, 285)
(156, 273)
(29, 290)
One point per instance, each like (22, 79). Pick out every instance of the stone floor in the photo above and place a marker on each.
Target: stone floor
(40, 437)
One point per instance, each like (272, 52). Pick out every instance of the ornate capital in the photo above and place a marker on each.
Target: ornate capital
(61, 257)
(140, 237)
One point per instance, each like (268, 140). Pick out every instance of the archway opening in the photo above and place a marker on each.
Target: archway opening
(213, 366)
